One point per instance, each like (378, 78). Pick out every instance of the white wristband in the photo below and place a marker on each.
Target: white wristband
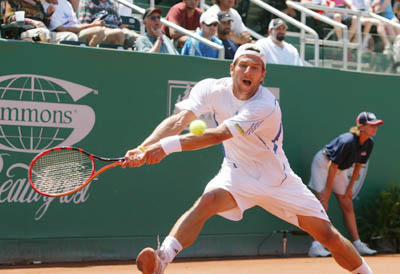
(171, 144)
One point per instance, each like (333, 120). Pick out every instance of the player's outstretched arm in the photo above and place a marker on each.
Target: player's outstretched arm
(156, 152)
(211, 137)
(172, 125)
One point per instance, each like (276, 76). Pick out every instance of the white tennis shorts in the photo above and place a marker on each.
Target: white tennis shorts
(319, 175)
(285, 200)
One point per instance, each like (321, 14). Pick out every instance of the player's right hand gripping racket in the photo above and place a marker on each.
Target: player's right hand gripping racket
(62, 171)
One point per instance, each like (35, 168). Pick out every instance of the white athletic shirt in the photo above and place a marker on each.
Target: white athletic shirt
(256, 145)
(288, 55)
(63, 15)
(237, 25)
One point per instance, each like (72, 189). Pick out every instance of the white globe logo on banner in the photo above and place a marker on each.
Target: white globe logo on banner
(38, 112)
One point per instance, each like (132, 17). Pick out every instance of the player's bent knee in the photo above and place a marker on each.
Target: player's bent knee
(331, 239)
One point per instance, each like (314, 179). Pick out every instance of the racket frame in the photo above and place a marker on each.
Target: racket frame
(94, 173)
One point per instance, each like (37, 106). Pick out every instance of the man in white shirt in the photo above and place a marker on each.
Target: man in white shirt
(239, 33)
(276, 49)
(255, 170)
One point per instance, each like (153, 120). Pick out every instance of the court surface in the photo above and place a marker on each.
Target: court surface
(381, 264)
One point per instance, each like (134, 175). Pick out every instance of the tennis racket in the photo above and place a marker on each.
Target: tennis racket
(62, 171)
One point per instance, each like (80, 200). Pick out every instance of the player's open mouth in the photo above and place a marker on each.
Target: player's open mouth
(247, 82)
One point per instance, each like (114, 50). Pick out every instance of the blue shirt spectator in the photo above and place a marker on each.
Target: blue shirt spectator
(193, 47)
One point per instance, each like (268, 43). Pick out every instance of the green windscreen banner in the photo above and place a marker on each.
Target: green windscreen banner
(109, 101)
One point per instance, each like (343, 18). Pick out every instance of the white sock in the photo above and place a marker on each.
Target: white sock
(315, 242)
(362, 269)
(171, 247)
(357, 242)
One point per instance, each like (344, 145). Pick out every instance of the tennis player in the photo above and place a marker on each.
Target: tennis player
(255, 170)
(329, 174)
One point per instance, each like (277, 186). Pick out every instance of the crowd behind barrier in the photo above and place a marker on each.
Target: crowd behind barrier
(345, 34)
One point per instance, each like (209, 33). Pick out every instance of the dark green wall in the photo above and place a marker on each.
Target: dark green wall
(124, 210)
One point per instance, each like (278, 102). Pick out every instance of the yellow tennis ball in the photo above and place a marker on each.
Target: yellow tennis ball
(197, 127)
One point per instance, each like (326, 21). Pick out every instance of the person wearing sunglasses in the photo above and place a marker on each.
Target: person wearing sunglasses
(154, 41)
(208, 29)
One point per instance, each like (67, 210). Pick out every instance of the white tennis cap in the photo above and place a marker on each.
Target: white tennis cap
(251, 49)
(208, 18)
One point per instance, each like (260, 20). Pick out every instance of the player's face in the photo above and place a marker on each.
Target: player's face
(248, 73)
(370, 130)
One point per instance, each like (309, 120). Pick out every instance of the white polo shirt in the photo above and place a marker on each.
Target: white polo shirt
(287, 55)
(255, 124)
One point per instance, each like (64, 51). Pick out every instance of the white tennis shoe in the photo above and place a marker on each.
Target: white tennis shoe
(162, 264)
(318, 250)
(363, 249)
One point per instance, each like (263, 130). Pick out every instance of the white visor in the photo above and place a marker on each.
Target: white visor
(251, 49)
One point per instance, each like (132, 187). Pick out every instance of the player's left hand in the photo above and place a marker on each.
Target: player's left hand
(154, 154)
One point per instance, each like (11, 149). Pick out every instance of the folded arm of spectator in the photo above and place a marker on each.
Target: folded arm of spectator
(243, 38)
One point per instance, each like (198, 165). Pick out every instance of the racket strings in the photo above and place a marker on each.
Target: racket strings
(61, 171)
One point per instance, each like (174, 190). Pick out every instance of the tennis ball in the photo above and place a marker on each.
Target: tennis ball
(197, 127)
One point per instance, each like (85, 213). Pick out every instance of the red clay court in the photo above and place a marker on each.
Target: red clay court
(380, 264)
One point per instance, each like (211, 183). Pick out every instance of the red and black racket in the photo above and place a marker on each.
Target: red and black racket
(62, 171)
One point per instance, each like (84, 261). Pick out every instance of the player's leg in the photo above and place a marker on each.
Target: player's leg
(189, 225)
(185, 230)
(342, 250)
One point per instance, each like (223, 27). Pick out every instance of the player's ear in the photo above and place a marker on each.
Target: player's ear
(232, 66)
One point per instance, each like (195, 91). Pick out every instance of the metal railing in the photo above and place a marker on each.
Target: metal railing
(284, 16)
(358, 14)
(221, 49)
(345, 42)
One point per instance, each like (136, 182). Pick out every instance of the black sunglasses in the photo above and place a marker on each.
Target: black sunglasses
(212, 24)
(154, 17)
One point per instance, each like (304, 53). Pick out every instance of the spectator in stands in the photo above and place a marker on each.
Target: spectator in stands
(64, 19)
(320, 27)
(384, 8)
(239, 33)
(154, 40)
(347, 19)
(208, 29)
(90, 10)
(367, 23)
(36, 21)
(276, 49)
(185, 14)
(224, 28)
